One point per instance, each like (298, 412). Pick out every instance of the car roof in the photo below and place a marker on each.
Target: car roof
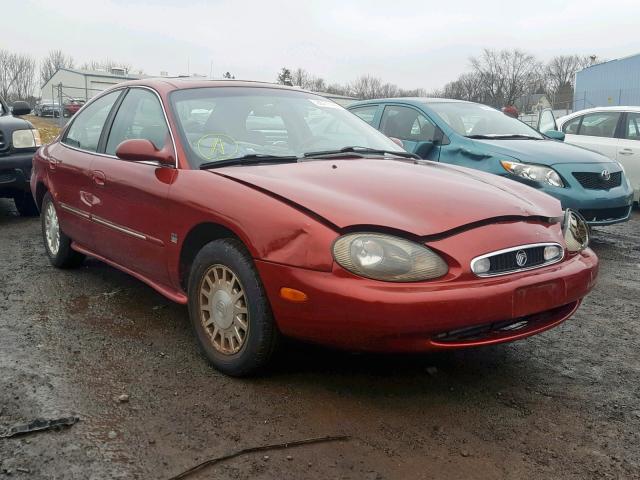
(617, 108)
(180, 83)
(410, 100)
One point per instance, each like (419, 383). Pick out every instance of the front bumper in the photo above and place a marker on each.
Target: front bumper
(355, 313)
(15, 173)
(597, 206)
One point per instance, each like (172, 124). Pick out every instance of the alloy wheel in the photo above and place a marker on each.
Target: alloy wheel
(223, 309)
(52, 229)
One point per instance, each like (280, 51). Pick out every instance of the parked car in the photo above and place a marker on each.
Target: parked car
(612, 131)
(18, 142)
(47, 108)
(334, 235)
(71, 107)
(477, 136)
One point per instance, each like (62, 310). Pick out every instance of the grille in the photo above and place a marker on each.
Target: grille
(3, 143)
(604, 214)
(515, 259)
(504, 328)
(594, 181)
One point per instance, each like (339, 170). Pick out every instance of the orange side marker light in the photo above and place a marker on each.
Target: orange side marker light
(293, 295)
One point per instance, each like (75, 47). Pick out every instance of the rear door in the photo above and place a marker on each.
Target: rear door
(132, 196)
(629, 149)
(70, 163)
(596, 131)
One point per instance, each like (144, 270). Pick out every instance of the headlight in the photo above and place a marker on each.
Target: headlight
(537, 173)
(384, 257)
(576, 231)
(26, 138)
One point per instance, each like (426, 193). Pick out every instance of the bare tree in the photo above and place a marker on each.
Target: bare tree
(559, 75)
(17, 75)
(300, 77)
(505, 75)
(55, 60)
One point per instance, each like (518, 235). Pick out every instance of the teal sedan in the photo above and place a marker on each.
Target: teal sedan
(476, 136)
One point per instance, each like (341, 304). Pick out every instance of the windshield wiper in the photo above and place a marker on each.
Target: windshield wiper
(361, 151)
(249, 159)
(507, 136)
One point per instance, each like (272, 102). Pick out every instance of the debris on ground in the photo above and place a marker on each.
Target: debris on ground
(124, 398)
(39, 425)
(262, 448)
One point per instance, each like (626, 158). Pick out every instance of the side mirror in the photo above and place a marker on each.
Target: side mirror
(21, 108)
(141, 150)
(422, 149)
(555, 134)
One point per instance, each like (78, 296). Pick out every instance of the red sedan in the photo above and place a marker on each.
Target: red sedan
(272, 211)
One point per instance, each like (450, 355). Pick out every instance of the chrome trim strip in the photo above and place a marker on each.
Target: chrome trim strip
(513, 249)
(77, 211)
(119, 228)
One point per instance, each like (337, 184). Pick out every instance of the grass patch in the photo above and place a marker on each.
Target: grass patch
(48, 127)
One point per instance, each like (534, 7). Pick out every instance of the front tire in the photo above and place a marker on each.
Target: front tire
(229, 310)
(56, 243)
(25, 205)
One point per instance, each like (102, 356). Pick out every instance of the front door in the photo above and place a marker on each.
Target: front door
(595, 131)
(629, 150)
(413, 128)
(70, 163)
(133, 196)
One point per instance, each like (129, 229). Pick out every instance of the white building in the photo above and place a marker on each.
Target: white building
(82, 84)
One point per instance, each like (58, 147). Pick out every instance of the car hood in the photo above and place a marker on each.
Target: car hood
(544, 152)
(9, 123)
(424, 198)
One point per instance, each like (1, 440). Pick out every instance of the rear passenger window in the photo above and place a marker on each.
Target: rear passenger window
(139, 116)
(86, 128)
(367, 113)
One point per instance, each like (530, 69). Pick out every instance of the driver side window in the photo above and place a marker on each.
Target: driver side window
(407, 123)
(85, 131)
(139, 116)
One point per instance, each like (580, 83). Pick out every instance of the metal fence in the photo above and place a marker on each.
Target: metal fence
(64, 94)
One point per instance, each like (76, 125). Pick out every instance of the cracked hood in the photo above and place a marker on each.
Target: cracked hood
(422, 199)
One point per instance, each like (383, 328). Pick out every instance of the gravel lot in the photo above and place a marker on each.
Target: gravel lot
(564, 404)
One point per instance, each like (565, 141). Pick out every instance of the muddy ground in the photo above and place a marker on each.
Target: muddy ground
(564, 404)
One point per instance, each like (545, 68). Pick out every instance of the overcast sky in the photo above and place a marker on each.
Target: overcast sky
(413, 43)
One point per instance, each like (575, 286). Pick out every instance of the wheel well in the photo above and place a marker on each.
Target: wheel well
(41, 191)
(197, 238)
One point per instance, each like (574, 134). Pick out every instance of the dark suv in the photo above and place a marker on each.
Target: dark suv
(18, 142)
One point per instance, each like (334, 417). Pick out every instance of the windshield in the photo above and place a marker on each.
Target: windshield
(220, 123)
(475, 120)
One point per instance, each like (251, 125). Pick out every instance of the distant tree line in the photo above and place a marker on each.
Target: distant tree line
(363, 87)
(501, 77)
(496, 77)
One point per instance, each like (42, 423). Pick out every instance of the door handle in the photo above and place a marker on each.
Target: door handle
(99, 178)
(625, 151)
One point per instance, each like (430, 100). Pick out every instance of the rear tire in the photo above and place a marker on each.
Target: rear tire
(56, 243)
(25, 205)
(229, 310)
